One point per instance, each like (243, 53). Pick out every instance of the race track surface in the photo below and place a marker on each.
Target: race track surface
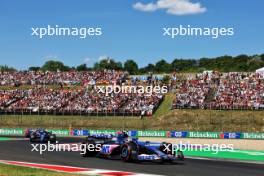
(20, 150)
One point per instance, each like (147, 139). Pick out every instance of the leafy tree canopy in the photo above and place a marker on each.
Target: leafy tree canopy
(52, 65)
(131, 66)
(109, 64)
(240, 63)
(6, 68)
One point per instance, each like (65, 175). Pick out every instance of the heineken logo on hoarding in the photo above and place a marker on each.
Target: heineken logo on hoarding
(253, 136)
(203, 135)
(152, 133)
(60, 132)
(7, 131)
(113, 132)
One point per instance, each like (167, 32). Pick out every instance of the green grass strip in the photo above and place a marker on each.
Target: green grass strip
(4, 139)
(165, 106)
(8, 170)
(251, 155)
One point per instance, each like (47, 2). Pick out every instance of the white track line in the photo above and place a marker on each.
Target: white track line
(75, 170)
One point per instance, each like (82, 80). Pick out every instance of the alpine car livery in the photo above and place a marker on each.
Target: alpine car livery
(40, 135)
(129, 149)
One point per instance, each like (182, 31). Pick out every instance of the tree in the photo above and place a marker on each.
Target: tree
(52, 65)
(6, 68)
(254, 65)
(131, 66)
(241, 63)
(147, 69)
(33, 68)
(183, 65)
(109, 64)
(82, 67)
(223, 63)
(262, 57)
(162, 67)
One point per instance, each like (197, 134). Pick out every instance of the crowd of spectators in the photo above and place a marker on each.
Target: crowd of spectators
(77, 102)
(216, 90)
(142, 103)
(18, 78)
(208, 90)
(41, 99)
(240, 91)
(84, 99)
(9, 97)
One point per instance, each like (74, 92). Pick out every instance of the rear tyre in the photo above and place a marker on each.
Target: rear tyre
(129, 152)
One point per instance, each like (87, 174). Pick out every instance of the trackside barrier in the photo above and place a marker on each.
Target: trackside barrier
(11, 131)
(139, 133)
(60, 132)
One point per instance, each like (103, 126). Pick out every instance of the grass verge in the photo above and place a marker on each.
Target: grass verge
(8, 170)
(165, 106)
(189, 120)
(163, 119)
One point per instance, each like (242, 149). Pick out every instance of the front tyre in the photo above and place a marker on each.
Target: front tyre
(52, 138)
(32, 138)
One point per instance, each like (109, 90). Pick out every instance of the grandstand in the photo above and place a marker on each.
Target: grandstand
(222, 91)
(74, 93)
(65, 99)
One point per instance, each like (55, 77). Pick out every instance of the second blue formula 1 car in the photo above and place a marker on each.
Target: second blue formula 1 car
(126, 149)
(42, 136)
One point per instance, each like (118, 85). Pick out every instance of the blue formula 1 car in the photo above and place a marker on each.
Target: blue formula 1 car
(41, 135)
(126, 149)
